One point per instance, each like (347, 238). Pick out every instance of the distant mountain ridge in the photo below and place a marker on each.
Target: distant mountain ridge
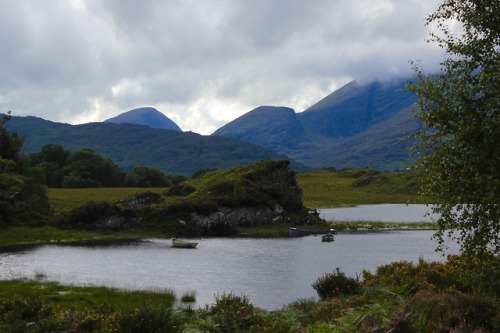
(358, 125)
(130, 145)
(147, 116)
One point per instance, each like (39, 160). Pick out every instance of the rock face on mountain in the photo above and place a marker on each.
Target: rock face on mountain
(147, 116)
(359, 125)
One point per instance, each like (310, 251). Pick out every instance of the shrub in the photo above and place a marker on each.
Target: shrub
(234, 313)
(180, 190)
(437, 312)
(151, 319)
(336, 284)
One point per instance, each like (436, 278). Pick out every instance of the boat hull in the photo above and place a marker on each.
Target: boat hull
(328, 238)
(183, 244)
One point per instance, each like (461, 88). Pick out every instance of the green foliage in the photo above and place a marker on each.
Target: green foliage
(336, 284)
(459, 153)
(22, 199)
(142, 176)
(150, 318)
(57, 167)
(188, 297)
(90, 215)
(233, 313)
(457, 273)
(449, 312)
(181, 190)
(268, 183)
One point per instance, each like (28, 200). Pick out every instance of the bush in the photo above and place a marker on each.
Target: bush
(336, 284)
(453, 312)
(151, 319)
(234, 313)
(180, 190)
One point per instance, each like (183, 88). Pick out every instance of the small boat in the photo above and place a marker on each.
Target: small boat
(328, 238)
(294, 232)
(183, 244)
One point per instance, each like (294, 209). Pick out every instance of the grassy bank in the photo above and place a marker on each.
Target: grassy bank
(14, 236)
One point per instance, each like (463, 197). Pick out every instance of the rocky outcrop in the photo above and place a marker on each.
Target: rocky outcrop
(268, 195)
(241, 216)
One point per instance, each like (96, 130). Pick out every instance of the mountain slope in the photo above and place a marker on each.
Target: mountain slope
(384, 146)
(133, 145)
(275, 128)
(356, 126)
(147, 116)
(355, 108)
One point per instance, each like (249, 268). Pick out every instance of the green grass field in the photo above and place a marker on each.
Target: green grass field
(323, 189)
(64, 199)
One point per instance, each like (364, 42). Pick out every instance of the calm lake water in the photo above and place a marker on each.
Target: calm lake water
(271, 272)
(380, 213)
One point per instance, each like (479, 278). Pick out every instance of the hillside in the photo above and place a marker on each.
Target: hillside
(275, 128)
(356, 107)
(356, 126)
(132, 145)
(147, 116)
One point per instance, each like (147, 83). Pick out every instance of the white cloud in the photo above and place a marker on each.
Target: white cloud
(202, 63)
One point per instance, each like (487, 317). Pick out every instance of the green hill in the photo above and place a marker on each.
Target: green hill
(133, 145)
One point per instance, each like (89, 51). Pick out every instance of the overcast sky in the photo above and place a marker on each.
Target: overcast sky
(203, 63)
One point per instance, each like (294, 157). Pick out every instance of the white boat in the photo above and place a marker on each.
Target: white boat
(183, 244)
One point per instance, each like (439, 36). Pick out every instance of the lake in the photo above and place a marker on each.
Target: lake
(380, 213)
(271, 272)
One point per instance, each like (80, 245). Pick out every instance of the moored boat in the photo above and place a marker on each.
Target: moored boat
(328, 238)
(183, 244)
(294, 232)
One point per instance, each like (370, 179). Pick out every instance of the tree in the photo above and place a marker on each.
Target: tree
(86, 168)
(142, 176)
(459, 152)
(22, 199)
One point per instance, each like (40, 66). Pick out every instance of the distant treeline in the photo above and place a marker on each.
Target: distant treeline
(57, 167)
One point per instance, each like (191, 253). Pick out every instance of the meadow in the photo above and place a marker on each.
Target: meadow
(322, 189)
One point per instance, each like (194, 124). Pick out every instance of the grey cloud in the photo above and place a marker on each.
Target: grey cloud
(204, 62)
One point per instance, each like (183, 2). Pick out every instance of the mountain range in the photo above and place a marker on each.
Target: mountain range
(359, 125)
(356, 126)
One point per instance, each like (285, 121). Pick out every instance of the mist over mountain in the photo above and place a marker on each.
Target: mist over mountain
(147, 116)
